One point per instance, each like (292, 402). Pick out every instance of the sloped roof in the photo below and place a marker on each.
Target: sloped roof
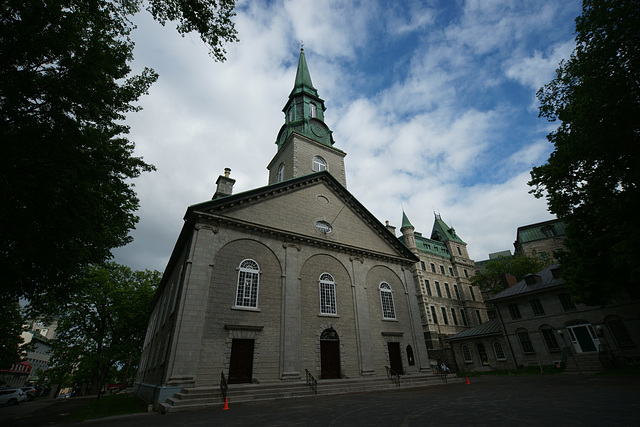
(492, 327)
(442, 232)
(533, 232)
(546, 281)
(405, 221)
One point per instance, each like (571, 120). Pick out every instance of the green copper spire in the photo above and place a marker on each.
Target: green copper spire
(304, 111)
(303, 78)
(442, 232)
(405, 221)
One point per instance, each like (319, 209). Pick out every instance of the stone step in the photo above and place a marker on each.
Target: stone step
(205, 397)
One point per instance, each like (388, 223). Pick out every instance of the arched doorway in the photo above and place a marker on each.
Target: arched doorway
(583, 336)
(329, 354)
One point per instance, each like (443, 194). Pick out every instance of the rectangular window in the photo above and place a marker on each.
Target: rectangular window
(444, 316)
(466, 354)
(438, 289)
(479, 317)
(424, 267)
(454, 317)
(388, 311)
(514, 311)
(434, 315)
(463, 317)
(433, 268)
(458, 248)
(619, 331)
(536, 306)
(327, 298)
(446, 288)
(525, 342)
(567, 304)
(247, 292)
(428, 286)
(473, 296)
(450, 271)
(466, 273)
(441, 269)
(497, 347)
(550, 339)
(455, 289)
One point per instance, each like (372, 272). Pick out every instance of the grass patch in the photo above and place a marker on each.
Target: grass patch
(622, 371)
(110, 405)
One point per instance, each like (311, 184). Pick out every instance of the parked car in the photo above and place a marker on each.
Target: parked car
(31, 392)
(12, 396)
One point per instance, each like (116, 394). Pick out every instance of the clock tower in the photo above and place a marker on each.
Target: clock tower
(305, 142)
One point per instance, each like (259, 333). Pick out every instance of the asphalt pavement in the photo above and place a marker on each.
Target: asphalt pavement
(549, 400)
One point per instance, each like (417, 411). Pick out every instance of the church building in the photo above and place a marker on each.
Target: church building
(295, 276)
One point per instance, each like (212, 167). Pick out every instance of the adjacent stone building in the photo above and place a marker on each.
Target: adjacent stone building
(540, 325)
(540, 239)
(448, 302)
(297, 275)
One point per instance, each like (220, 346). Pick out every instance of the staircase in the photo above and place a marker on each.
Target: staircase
(206, 397)
(583, 363)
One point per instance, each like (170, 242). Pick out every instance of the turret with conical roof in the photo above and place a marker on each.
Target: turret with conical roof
(305, 142)
(409, 237)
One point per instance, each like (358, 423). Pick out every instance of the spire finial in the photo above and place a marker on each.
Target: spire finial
(301, 46)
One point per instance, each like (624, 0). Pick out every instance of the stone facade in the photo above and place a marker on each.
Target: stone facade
(448, 303)
(298, 275)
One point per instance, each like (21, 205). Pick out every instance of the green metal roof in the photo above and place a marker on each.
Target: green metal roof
(303, 78)
(540, 231)
(442, 232)
(405, 221)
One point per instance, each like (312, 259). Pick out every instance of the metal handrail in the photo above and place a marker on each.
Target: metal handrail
(395, 377)
(223, 385)
(312, 382)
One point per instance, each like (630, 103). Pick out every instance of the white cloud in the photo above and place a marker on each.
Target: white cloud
(435, 137)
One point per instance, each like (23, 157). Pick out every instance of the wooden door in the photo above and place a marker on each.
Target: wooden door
(395, 358)
(330, 359)
(241, 365)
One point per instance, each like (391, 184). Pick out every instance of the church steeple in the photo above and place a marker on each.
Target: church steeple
(305, 142)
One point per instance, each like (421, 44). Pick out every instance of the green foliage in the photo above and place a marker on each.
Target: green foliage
(592, 179)
(491, 278)
(11, 326)
(101, 327)
(65, 163)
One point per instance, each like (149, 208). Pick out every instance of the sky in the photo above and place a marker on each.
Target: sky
(433, 101)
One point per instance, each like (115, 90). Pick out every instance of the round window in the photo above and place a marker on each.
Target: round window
(323, 227)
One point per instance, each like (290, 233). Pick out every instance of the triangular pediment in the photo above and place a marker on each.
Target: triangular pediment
(314, 208)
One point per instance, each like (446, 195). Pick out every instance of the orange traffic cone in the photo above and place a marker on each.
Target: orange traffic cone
(468, 380)
(226, 404)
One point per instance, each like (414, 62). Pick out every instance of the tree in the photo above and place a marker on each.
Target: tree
(65, 163)
(101, 328)
(491, 278)
(11, 326)
(592, 178)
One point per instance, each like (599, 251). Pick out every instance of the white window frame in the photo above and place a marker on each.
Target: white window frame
(466, 354)
(280, 175)
(386, 301)
(248, 285)
(313, 110)
(327, 290)
(319, 164)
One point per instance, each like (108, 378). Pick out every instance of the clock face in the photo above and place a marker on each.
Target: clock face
(318, 130)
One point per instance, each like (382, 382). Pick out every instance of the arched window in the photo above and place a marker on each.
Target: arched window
(313, 110)
(319, 164)
(619, 330)
(549, 336)
(327, 294)
(525, 341)
(498, 350)
(484, 359)
(410, 356)
(466, 354)
(248, 283)
(280, 176)
(386, 298)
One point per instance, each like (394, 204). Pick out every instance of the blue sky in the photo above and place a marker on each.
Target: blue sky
(433, 102)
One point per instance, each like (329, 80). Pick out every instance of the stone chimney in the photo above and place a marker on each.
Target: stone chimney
(391, 228)
(224, 185)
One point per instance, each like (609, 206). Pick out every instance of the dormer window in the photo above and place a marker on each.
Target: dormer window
(319, 164)
(313, 110)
